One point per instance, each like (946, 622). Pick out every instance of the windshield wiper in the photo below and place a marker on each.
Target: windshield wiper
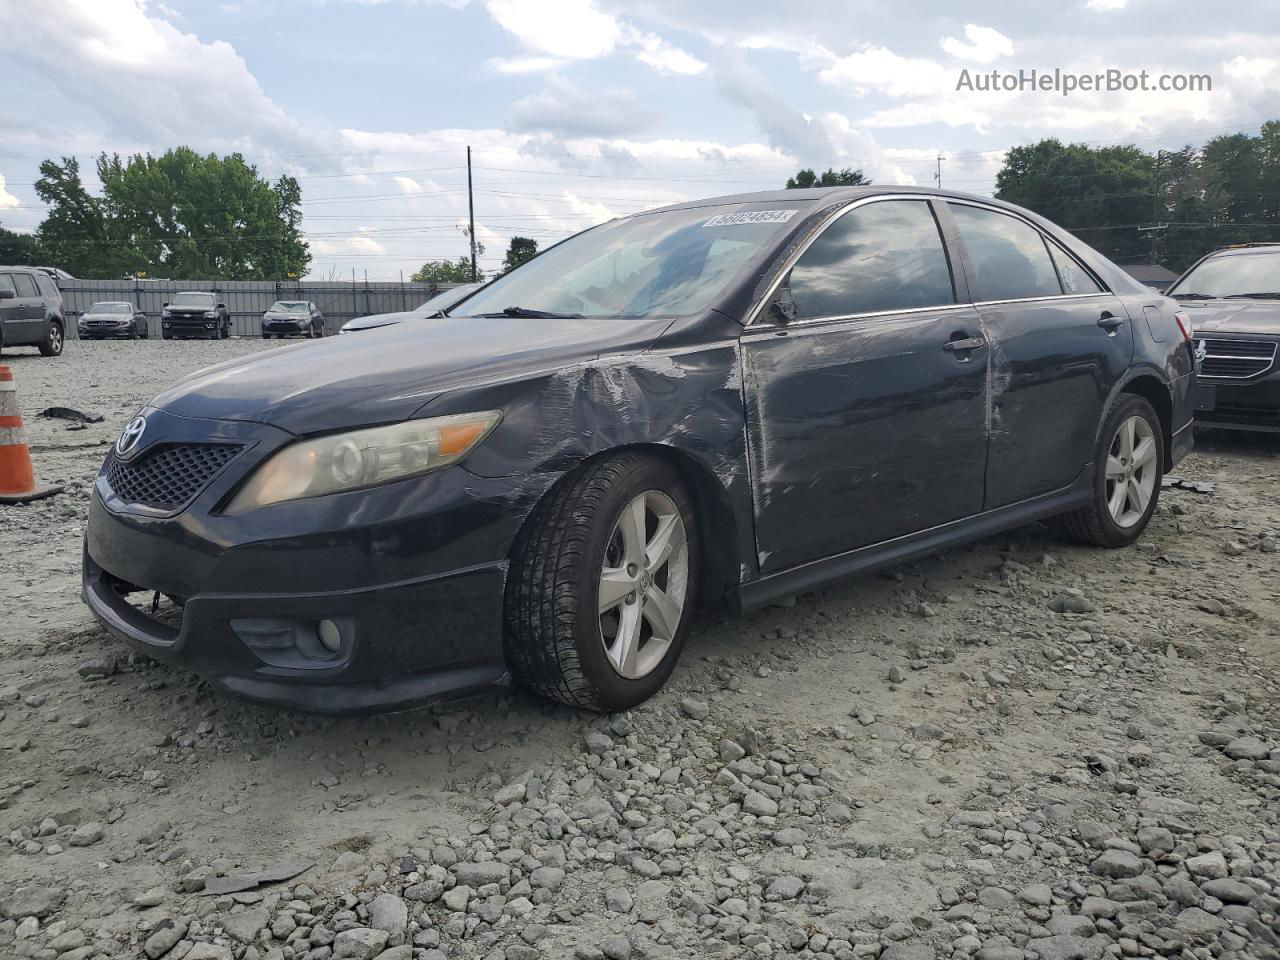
(1192, 296)
(1269, 295)
(532, 314)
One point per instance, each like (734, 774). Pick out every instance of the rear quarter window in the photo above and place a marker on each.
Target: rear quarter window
(1010, 260)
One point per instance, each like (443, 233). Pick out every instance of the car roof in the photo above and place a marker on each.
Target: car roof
(23, 269)
(1244, 249)
(815, 197)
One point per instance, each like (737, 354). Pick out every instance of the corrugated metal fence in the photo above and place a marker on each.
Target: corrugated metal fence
(247, 300)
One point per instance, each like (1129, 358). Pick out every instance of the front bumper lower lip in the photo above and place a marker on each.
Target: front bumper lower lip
(378, 673)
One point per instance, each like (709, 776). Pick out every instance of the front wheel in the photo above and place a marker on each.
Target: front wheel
(1129, 467)
(51, 345)
(603, 585)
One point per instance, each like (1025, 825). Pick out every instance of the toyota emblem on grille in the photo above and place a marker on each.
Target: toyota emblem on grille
(131, 436)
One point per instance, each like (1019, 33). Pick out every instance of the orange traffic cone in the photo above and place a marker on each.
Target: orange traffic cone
(17, 479)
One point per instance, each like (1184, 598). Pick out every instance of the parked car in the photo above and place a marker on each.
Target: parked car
(193, 314)
(1233, 297)
(113, 318)
(720, 403)
(31, 313)
(437, 306)
(292, 318)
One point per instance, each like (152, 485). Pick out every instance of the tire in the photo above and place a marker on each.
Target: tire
(51, 345)
(555, 633)
(225, 333)
(1098, 524)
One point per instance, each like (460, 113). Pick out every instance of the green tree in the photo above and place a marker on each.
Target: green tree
(182, 215)
(21, 249)
(1102, 192)
(446, 271)
(519, 250)
(828, 178)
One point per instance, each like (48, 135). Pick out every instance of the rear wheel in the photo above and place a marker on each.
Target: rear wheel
(51, 345)
(603, 585)
(1129, 466)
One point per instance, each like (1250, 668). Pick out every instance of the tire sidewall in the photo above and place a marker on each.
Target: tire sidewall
(614, 691)
(1126, 406)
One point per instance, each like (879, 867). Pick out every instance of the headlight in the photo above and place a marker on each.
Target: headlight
(363, 458)
(211, 314)
(166, 313)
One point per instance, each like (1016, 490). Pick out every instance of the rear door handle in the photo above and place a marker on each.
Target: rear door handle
(1109, 321)
(963, 345)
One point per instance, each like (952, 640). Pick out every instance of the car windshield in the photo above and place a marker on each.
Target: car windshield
(658, 264)
(445, 299)
(192, 300)
(1234, 275)
(110, 308)
(289, 306)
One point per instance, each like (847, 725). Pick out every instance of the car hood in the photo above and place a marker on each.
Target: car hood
(343, 382)
(1234, 316)
(378, 320)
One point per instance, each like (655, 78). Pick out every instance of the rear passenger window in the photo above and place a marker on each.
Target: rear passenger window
(1009, 257)
(26, 287)
(886, 255)
(1073, 276)
(6, 283)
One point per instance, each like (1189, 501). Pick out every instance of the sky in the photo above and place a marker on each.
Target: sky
(578, 111)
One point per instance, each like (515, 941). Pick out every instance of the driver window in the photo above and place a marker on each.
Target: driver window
(886, 255)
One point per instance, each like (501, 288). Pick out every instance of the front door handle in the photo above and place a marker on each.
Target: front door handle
(964, 344)
(1109, 321)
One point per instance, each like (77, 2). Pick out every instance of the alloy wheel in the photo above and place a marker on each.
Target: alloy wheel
(55, 338)
(644, 582)
(1131, 471)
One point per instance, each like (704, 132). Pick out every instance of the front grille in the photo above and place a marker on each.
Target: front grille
(1257, 412)
(1237, 359)
(169, 475)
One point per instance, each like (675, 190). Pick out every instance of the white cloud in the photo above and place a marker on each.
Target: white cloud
(662, 56)
(981, 44)
(407, 184)
(1106, 5)
(875, 68)
(571, 29)
(7, 199)
(524, 64)
(566, 110)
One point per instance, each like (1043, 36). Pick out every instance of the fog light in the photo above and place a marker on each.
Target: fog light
(330, 635)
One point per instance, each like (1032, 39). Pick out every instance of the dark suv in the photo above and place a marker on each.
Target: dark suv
(193, 314)
(30, 311)
(1233, 298)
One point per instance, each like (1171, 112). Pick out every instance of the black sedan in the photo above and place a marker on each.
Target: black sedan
(1233, 299)
(112, 318)
(717, 404)
(437, 306)
(292, 318)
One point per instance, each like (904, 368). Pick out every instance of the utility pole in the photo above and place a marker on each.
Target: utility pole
(471, 215)
(938, 176)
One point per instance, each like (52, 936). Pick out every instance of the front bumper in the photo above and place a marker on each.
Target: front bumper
(286, 326)
(412, 574)
(180, 326)
(1240, 404)
(114, 328)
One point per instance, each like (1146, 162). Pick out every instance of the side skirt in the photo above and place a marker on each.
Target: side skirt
(817, 573)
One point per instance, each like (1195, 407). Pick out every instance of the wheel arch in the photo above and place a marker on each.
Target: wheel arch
(717, 525)
(1156, 392)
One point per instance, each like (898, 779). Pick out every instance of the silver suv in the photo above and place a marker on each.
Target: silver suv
(31, 312)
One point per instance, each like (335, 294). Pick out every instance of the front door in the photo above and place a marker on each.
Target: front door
(867, 409)
(1059, 344)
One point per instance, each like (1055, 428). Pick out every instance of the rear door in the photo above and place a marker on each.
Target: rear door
(10, 312)
(31, 311)
(1059, 343)
(866, 411)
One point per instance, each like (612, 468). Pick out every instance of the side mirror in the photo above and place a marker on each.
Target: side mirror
(782, 309)
(7, 294)
(222, 306)
(165, 304)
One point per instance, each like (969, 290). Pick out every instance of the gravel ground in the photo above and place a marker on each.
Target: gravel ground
(1015, 750)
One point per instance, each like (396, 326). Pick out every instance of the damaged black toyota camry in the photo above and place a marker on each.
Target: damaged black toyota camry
(717, 404)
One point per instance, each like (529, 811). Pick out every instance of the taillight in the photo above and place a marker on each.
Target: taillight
(1185, 325)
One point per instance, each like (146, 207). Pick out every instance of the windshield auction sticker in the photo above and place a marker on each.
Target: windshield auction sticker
(750, 216)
